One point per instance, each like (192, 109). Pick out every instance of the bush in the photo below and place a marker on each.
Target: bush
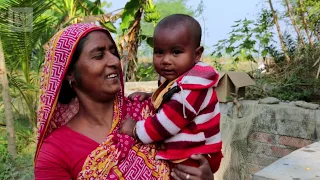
(296, 80)
(20, 167)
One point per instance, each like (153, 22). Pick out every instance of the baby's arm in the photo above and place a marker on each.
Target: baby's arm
(173, 116)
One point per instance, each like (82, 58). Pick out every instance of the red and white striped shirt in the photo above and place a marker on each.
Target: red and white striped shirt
(189, 122)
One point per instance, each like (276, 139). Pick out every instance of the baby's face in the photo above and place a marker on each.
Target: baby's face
(174, 52)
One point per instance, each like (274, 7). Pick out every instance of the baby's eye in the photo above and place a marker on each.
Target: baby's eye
(177, 52)
(157, 52)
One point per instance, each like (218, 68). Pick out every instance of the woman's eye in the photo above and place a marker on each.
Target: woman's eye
(99, 56)
(113, 51)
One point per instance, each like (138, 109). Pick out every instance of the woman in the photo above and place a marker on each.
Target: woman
(82, 100)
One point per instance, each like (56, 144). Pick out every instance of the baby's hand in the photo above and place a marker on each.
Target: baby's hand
(128, 125)
(142, 96)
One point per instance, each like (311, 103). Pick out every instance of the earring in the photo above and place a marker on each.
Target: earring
(70, 83)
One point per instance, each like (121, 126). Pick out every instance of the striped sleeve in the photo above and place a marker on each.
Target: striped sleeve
(170, 118)
(208, 120)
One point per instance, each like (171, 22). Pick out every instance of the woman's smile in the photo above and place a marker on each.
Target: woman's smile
(113, 78)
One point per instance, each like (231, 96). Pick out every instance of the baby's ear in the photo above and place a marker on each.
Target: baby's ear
(199, 52)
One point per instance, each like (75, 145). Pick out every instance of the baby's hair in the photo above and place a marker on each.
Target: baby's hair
(178, 20)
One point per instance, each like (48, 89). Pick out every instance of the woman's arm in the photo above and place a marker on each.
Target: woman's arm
(49, 165)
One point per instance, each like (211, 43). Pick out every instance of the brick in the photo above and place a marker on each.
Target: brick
(263, 137)
(260, 159)
(268, 150)
(280, 152)
(259, 148)
(293, 142)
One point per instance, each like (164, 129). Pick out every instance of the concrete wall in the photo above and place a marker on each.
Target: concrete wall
(271, 132)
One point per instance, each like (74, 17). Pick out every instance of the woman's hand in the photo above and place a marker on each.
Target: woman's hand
(142, 96)
(203, 172)
(128, 125)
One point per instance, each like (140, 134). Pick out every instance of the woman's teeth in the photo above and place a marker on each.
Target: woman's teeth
(112, 76)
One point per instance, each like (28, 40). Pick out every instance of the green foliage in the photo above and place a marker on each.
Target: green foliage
(244, 38)
(20, 167)
(23, 51)
(110, 26)
(241, 43)
(146, 72)
(216, 64)
(263, 31)
(295, 81)
(23, 41)
(147, 39)
(164, 8)
(66, 12)
(151, 14)
(278, 55)
(129, 14)
(8, 169)
(312, 10)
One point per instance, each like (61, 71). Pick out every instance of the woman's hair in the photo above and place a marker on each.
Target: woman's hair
(66, 92)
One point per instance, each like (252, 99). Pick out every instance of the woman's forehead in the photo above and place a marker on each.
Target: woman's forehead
(98, 38)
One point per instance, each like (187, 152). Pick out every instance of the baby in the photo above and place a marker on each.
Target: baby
(187, 115)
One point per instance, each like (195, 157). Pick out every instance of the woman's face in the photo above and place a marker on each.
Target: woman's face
(97, 71)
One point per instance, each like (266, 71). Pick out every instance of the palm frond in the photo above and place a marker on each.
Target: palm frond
(24, 39)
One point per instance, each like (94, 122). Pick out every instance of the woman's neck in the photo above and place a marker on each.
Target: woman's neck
(95, 113)
(93, 120)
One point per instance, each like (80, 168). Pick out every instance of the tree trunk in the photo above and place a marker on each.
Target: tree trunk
(7, 105)
(304, 22)
(300, 38)
(275, 19)
(129, 44)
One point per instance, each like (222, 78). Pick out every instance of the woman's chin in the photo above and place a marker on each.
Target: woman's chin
(113, 89)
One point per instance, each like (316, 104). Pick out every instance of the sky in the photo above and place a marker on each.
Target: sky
(219, 15)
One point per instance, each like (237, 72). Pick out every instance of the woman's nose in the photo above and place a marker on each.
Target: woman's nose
(113, 60)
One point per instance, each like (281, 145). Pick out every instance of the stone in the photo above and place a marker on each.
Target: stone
(306, 105)
(300, 164)
(269, 100)
(292, 103)
(284, 120)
